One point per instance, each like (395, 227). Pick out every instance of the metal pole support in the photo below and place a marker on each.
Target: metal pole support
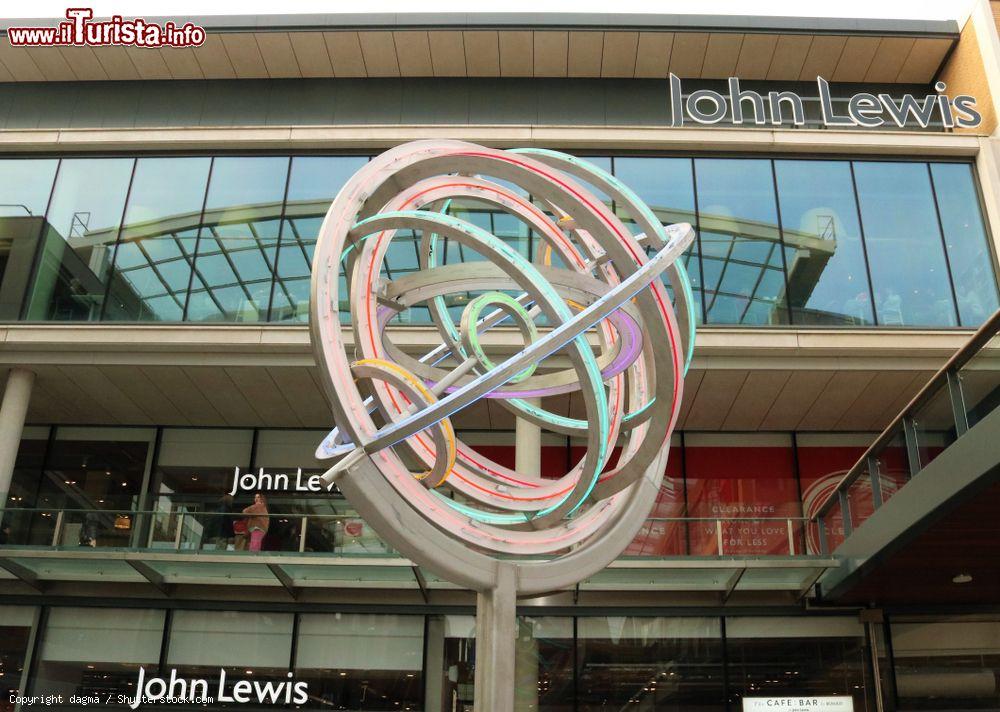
(496, 631)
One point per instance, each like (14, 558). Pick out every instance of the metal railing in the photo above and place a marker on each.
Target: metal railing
(960, 394)
(348, 535)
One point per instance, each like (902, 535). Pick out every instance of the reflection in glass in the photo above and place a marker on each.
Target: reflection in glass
(908, 269)
(451, 663)
(543, 664)
(25, 185)
(827, 277)
(778, 657)
(741, 249)
(312, 186)
(238, 239)
(247, 645)
(965, 238)
(79, 237)
(156, 246)
(666, 185)
(652, 663)
(97, 651)
(361, 661)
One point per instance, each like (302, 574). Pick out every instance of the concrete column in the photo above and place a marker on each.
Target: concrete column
(16, 396)
(496, 631)
(528, 445)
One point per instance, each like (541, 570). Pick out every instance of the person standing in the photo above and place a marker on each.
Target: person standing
(257, 521)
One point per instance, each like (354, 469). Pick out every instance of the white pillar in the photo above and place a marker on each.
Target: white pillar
(528, 445)
(16, 396)
(496, 631)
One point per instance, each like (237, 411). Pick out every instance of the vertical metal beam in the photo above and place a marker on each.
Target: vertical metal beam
(912, 449)
(958, 410)
(845, 512)
(876, 481)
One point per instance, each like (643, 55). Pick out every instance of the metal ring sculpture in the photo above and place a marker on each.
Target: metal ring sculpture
(598, 288)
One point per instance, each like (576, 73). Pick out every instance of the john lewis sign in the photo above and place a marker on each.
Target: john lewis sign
(865, 110)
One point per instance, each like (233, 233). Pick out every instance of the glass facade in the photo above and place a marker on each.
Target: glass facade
(230, 238)
(747, 493)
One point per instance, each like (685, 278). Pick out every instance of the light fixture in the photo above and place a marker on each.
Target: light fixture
(961, 578)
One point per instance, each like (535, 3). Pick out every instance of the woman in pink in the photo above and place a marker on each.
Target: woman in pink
(257, 521)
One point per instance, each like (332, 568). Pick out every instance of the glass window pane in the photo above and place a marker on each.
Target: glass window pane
(97, 651)
(965, 237)
(947, 665)
(15, 632)
(664, 532)
(738, 225)
(152, 268)
(778, 657)
(744, 485)
(312, 186)
(362, 661)
(96, 469)
(80, 232)
(238, 239)
(904, 244)
(666, 185)
(451, 663)
(543, 663)
(827, 277)
(25, 186)
(654, 663)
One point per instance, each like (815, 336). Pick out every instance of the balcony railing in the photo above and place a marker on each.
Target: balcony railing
(963, 392)
(348, 535)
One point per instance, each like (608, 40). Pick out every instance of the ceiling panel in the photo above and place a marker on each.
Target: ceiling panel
(279, 57)
(263, 395)
(379, 52)
(148, 62)
(185, 395)
(839, 394)
(551, 54)
(182, 63)
(715, 397)
(51, 64)
(229, 400)
(620, 49)
(60, 383)
(688, 53)
(447, 53)
(100, 389)
(789, 56)
(413, 51)
(311, 54)
(213, 59)
(145, 394)
(482, 53)
(889, 58)
(721, 55)
(18, 63)
(585, 52)
(692, 382)
(755, 399)
(894, 403)
(301, 390)
(856, 59)
(755, 56)
(923, 60)
(865, 413)
(344, 49)
(823, 56)
(84, 63)
(652, 59)
(516, 53)
(795, 399)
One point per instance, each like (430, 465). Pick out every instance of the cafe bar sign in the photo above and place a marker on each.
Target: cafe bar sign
(799, 703)
(862, 110)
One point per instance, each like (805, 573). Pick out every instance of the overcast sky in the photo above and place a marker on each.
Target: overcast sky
(910, 9)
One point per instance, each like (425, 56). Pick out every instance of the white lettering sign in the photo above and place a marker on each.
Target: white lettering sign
(799, 703)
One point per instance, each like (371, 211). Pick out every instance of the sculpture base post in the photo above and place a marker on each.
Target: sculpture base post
(496, 632)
